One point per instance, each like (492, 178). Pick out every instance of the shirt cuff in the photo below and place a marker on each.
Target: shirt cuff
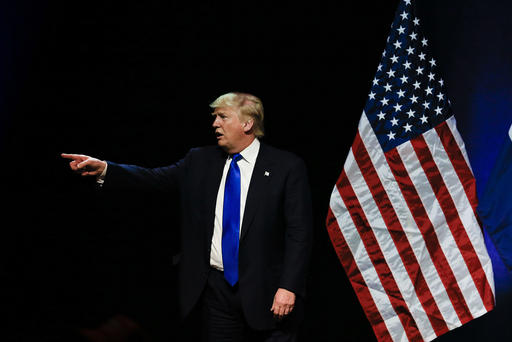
(101, 178)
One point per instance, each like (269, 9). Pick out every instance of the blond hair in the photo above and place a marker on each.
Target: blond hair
(248, 105)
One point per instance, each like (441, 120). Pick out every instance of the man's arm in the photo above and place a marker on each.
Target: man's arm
(85, 165)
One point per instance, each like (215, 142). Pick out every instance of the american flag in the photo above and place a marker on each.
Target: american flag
(402, 215)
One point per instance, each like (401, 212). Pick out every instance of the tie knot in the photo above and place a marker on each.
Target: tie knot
(236, 157)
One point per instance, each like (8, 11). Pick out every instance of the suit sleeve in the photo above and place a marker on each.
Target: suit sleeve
(161, 179)
(298, 229)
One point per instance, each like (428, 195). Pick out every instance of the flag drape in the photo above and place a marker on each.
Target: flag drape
(402, 215)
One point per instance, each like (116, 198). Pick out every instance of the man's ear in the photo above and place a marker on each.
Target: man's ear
(248, 125)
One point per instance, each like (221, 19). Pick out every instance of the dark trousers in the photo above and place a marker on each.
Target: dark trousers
(223, 317)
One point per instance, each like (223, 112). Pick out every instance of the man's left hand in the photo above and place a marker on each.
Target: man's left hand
(284, 301)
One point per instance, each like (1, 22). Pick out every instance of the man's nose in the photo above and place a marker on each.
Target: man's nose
(215, 123)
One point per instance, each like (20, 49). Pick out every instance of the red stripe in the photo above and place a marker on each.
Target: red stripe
(452, 218)
(400, 240)
(459, 163)
(429, 236)
(377, 258)
(361, 289)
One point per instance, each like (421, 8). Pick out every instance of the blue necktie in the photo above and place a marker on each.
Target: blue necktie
(231, 222)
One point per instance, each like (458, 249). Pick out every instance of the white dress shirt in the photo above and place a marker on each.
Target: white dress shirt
(246, 165)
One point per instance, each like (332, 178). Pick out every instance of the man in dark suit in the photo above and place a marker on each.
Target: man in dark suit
(246, 224)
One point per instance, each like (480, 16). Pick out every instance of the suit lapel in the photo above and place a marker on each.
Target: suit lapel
(257, 187)
(214, 176)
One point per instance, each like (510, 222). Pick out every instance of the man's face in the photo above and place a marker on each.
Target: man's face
(229, 130)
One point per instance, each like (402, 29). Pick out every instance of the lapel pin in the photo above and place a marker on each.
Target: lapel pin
(267, 173)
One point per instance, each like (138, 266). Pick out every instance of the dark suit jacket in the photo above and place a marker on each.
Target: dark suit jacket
(276, 237)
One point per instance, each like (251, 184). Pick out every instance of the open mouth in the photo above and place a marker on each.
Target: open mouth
(218, 135)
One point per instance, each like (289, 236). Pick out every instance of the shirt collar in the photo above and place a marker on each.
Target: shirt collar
(250, 153)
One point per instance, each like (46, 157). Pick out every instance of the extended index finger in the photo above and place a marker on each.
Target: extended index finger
(72, 156)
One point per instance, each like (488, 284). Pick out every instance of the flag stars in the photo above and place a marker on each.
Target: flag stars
(419, 71)
(400, 93)
(401, 30)
(381, 115)
(375, 81)
(440, 96)
(432, 62)
(397, 45)
(422, 56)
(394, 59)
(384, 101)
(426, 105)
(372, 95)
(416, 21)
(391, 73)
(428, 91)
(379, 67)
(391, 135)
(404, 15)
(413, 36)
(407, 65)
(404, 79)
(397, 107)
(414, 99)
(407, 127)
(410, 113)
(410, 50)
(431, 76)
(387, 87)
(394, 122)
(424, 42)
(407, 2)
(441, 82)
(416, 85)
(423, 119)
(438, 110)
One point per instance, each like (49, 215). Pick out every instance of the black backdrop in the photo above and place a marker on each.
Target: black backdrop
(131, 82)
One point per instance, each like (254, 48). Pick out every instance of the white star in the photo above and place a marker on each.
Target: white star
(416, 21)
(400, 93)
(394, 122)
(424, 42)
(404, 15)
(384, 101)
(397, 107)
(429, 91)
(407, 65)
(414, 99)
(432, 62)
(407, 127)
(394, 59)
(426, 105)
(387, 87)
(381, 115)
(379, 68)
(431, 76)
(441, 82)
(423, 119)
(410, 113)
(410, 50)
(421, 56)
(391, 135)
(384, 53)
(401, 30)
(375, 81)
(407, 2)
(440, 96)
(416, 85)
(403, 79)
(413, 35)
(419, 70)
(391, 73)
(397, 45)
(438, 111)
(372, 95)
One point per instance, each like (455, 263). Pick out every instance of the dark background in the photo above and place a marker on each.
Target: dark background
(131, 82)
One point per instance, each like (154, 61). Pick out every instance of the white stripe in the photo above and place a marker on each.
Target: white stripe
(408, 223)
(364, 264)
(462, 204)
(441, 228)
(452, 124)
(388, 248)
